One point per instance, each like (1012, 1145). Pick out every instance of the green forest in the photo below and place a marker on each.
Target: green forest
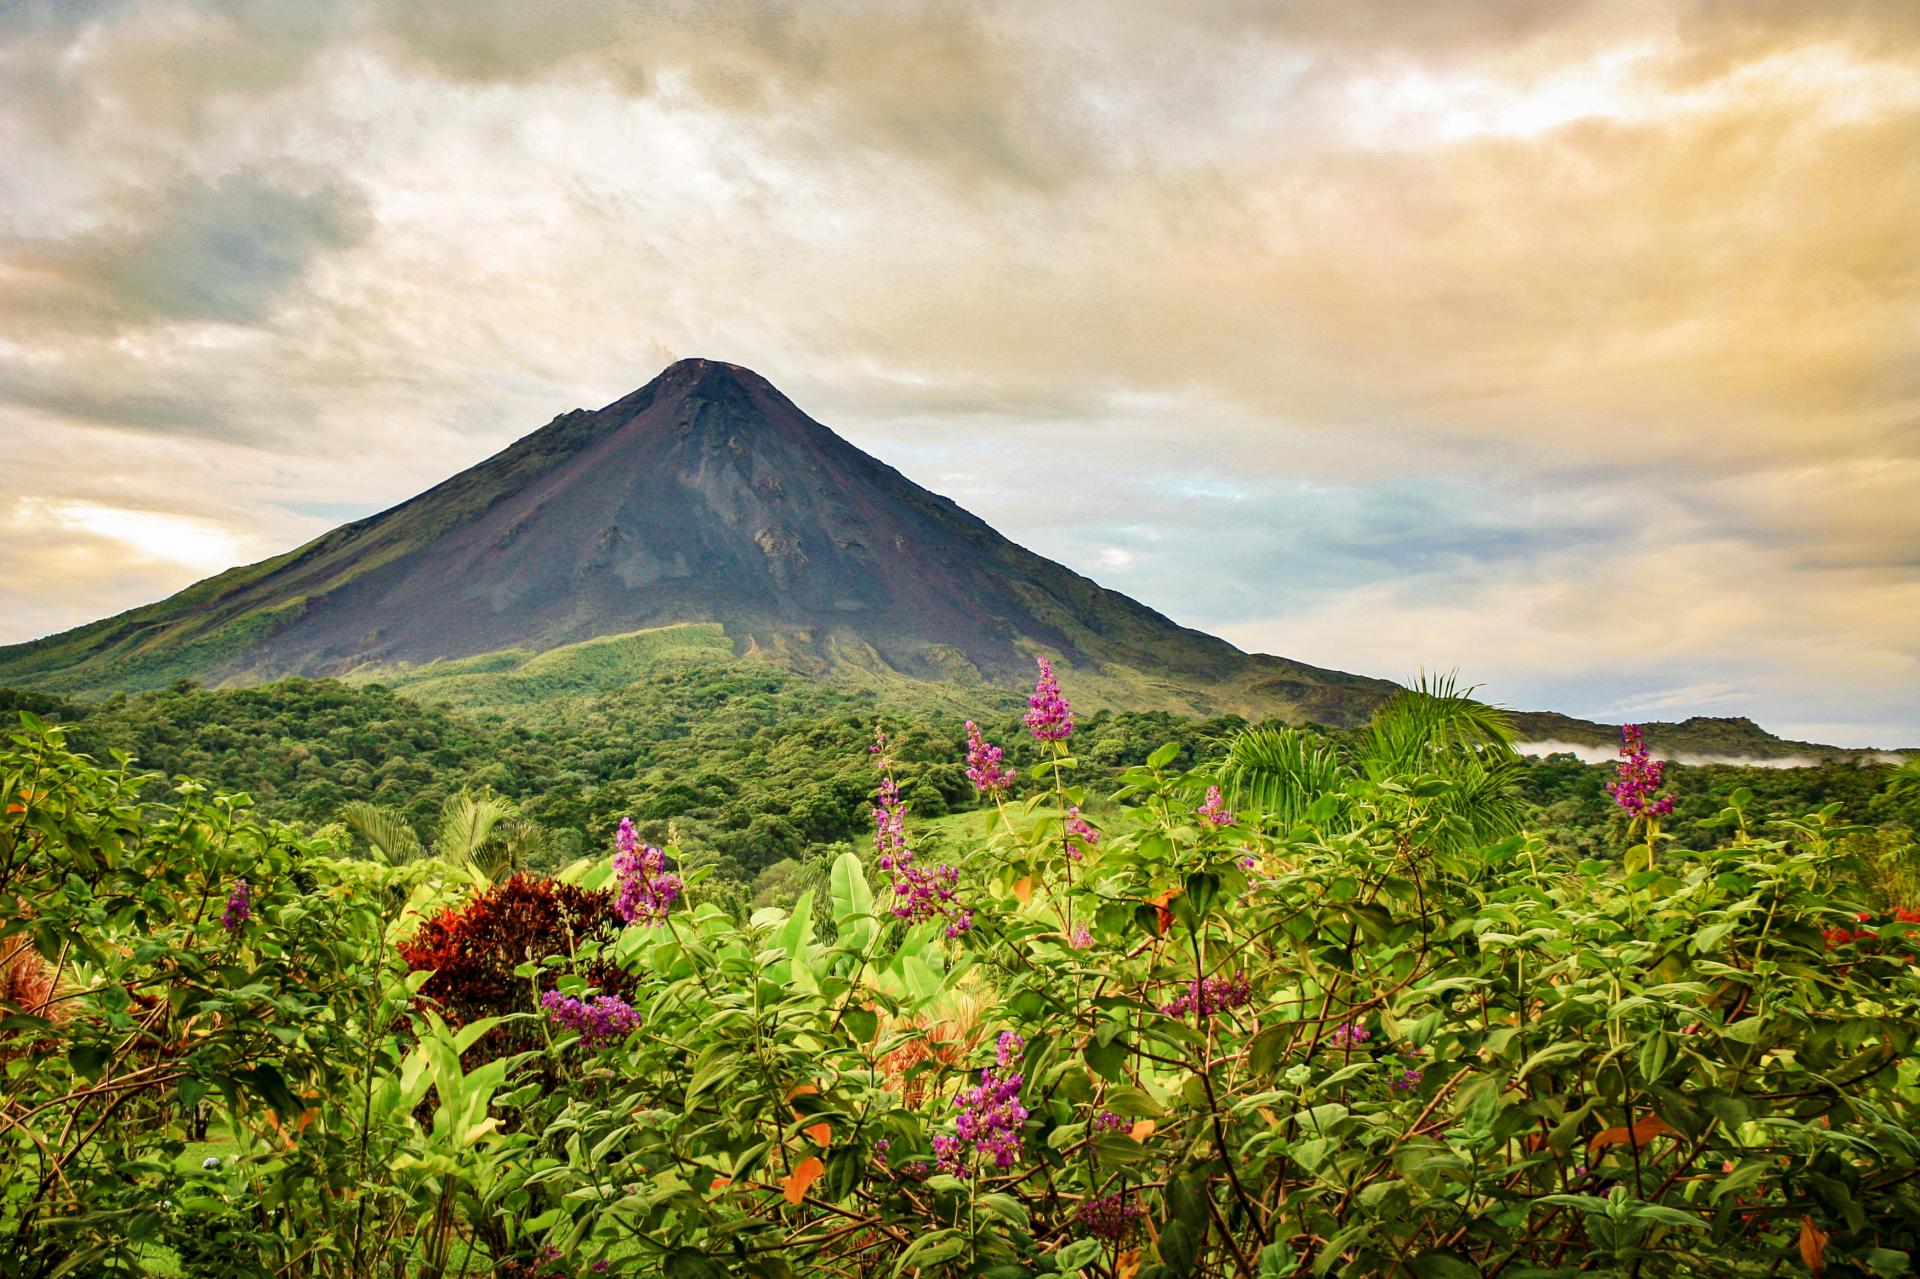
(762, 771)
(731, 973)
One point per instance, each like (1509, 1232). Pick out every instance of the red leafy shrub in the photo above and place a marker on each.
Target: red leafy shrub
(473, 950)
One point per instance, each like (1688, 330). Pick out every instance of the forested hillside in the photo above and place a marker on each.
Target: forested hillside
(758, 768)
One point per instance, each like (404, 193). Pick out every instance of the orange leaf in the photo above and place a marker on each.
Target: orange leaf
(720, 1183)
(1023, 889)
(821, 1134)
(800, 1090)
(1643, 1132)
(1813, 1247)
(801, 1177)
(1142, 1129)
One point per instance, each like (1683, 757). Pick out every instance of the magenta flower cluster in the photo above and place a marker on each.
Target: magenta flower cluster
(1213, 995)
(647, 891)
(1408, 1079)
(1350, 1035)
(1637, 777)
(1107, 1121)
(1112, 1217)
(599, 1020)
(918, 893)
(984, 768)
(1215, 812)
(1049, 718)
(991, 1115)
(239, 907)
(1079, 828)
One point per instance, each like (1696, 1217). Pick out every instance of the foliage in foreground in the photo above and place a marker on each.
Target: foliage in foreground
(1369, 1036)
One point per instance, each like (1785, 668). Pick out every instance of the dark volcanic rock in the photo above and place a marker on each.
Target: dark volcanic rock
(705, 496)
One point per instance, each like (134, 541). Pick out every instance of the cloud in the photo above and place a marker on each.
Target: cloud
(221, 252)
(1348, 327)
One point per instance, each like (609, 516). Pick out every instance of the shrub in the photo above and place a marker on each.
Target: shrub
(473, 950)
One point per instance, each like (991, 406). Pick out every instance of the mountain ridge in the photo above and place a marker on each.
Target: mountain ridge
(703, 496)
(707, 497)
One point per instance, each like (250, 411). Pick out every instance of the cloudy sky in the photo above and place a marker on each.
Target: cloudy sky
(1576, 347)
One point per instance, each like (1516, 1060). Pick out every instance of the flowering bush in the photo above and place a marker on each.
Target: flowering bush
(1380, 1055)
(472, 953)
(1357, 1027)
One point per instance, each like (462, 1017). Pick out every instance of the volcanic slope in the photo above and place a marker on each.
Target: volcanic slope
(705, 496)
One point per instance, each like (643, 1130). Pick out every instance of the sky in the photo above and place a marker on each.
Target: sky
(1571, 347)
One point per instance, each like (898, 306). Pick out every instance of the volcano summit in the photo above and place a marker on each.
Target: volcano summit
(704, 496)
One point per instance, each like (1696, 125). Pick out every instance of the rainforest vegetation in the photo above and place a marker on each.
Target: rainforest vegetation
(732, 974)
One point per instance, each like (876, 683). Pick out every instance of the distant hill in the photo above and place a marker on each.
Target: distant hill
(1699, 739)
(703, 498)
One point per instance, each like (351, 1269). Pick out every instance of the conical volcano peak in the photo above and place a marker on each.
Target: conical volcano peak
(711, 378)
(706, 496)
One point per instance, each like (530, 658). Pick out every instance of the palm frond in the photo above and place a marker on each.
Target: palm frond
(1434, 716)
(1482, 804)
(385, 828)
(1280, 771)
(516, 841)
(466, 821)
(1904, 778)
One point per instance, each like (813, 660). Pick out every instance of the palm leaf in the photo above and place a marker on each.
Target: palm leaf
(385, 828)
(515, 842)
(1280, 771)
(1433, 717)
(466, 821)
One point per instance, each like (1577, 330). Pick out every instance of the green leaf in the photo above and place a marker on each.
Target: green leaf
(1435, 1264)
(798, 930)
(1079, 1253)
(1266, 1047)
(1563, 1051)
(852, 902)
(1203, 888)
(267, 1083)
(89, 1061)
(1005, 1207)
(1177, 1250)
(930, 1249)
(1109, 1060)
(1164, 755)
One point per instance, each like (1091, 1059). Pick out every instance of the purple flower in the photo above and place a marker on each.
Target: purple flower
(918, 893)
(600, 1020)
(984, 769)
(1638, 777)
(239, 907)
(1350, 1035)
(1408, 1080)
(647, 891)
(1214, 812)
(990, 1116)
(1112, 1217)
(1107, 1121)
(1049, 718)
(1081, 939)
(1081, 829)
(1215, 994)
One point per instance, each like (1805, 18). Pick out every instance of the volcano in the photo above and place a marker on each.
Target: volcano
(706, 496)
